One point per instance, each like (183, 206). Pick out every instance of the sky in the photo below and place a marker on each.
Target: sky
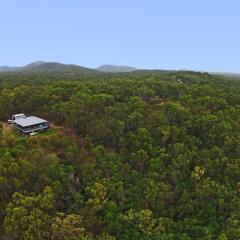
(156, 34)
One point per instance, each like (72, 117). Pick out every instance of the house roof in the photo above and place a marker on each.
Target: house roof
(19, 115)
(29, 121)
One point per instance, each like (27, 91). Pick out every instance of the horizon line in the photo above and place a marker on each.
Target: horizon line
(125, 65)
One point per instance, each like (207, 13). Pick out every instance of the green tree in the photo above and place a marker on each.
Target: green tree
(29, 217)
(67, 227)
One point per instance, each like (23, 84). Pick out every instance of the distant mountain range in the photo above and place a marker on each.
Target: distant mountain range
(52, 67)
(40, 66)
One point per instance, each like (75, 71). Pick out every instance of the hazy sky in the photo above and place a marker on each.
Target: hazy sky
(165, 34)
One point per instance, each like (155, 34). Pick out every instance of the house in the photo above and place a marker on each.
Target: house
(29, 125)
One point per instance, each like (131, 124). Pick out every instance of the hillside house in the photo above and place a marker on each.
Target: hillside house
(29, 125)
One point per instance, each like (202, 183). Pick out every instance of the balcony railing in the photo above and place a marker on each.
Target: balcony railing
(32, 128)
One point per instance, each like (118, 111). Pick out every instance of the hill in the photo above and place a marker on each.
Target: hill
(56, 67)
(114, 68)
(47, 67)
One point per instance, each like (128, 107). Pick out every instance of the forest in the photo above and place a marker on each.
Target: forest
(145, 155)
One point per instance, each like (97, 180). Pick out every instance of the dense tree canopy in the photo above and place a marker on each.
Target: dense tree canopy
(142, 156)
